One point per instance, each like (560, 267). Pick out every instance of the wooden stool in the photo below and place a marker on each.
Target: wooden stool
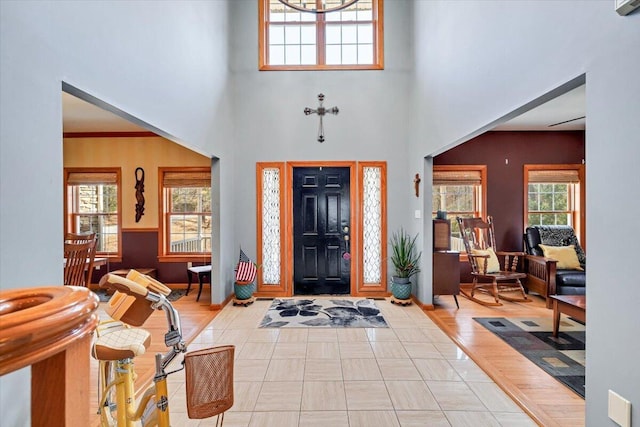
(202, 272)
(151, 272)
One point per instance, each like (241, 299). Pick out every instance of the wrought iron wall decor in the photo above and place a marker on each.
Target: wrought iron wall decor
(321, 111)
(139, 190)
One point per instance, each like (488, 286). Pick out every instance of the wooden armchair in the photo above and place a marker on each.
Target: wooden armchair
(494, 272)
(544, 276)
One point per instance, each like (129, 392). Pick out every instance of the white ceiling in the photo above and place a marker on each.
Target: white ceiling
(552, 114)
(81, 116)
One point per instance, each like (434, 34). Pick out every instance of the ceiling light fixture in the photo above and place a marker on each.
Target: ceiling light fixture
(313, 6)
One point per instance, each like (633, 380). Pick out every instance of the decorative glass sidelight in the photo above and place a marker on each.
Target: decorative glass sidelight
(372, 225)
(271, 226)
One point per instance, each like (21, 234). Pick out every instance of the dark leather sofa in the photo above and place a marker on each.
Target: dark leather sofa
(543, 276)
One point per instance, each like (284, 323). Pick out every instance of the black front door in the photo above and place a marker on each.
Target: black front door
(321, 230)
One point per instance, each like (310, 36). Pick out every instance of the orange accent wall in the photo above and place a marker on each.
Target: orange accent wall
(149, 153)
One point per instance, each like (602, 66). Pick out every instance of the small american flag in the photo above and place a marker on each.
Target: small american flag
(246, 269)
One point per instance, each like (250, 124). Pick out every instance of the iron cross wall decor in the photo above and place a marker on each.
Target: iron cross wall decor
(321, 111)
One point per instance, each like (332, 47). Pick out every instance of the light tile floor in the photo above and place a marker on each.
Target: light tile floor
(410, 374)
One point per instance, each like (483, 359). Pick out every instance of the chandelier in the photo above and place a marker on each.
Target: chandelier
(318, 6)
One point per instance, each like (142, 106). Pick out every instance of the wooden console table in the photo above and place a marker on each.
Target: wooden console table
(571, 305)
(446, 274)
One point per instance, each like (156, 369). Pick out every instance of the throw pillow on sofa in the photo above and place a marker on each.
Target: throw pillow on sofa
(565, 255)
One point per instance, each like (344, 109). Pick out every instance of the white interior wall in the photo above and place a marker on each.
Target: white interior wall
(163, 62)
(476, 62)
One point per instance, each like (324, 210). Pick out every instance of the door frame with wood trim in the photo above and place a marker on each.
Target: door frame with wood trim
(353, 218)
(285, 288)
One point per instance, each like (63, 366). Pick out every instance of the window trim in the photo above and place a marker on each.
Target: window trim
(68, 211)
(163, 253)
(482, 199)
(579, 214)
(263, 43)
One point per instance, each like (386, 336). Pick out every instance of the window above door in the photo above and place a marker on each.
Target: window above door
(347, 39)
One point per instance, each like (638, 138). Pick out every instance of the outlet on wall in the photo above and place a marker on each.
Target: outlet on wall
(619, 409)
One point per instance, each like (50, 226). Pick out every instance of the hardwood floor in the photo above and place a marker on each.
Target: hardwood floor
(194, 317)
(546, 400)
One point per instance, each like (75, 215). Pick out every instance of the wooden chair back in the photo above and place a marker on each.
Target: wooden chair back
(477, 234)
(79, 253)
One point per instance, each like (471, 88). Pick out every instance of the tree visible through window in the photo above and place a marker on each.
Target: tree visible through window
(549, 204)
(186, 216)
(459, 191)
(93, 206)
(350, 38)
(554, 195)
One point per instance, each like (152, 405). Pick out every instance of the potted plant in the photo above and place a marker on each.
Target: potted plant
(405, 258)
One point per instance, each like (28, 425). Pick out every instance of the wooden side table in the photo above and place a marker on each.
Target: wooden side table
(446, 274)
(571, 305)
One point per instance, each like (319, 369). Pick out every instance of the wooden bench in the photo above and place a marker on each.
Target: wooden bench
(151, 272)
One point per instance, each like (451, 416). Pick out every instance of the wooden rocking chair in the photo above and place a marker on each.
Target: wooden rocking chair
(493, 272)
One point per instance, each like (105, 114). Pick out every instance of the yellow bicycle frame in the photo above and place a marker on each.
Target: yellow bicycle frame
(153, 408)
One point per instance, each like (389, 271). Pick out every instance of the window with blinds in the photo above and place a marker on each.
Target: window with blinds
(553, 195)
(93, 205)
(185, 229)
(459, 191)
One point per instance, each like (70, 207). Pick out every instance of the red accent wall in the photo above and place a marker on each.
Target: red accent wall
(505, 198)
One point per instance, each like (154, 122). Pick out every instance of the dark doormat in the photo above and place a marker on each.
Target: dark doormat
(320, 312)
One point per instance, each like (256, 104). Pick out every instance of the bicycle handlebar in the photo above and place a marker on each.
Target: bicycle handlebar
(118, 283)
(173, 337)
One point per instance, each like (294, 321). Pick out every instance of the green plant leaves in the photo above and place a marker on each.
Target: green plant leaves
(404, 254)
